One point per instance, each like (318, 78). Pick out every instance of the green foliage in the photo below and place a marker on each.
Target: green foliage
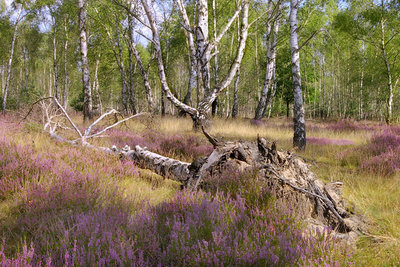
(77, 101)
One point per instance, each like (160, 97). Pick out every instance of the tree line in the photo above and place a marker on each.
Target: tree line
(240, 58)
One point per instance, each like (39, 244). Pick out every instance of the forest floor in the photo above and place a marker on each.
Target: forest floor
(45, 208)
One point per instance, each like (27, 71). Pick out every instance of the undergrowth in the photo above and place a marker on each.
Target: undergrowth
(64, 205)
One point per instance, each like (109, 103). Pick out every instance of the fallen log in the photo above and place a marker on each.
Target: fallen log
(283, 173)
(287, 176)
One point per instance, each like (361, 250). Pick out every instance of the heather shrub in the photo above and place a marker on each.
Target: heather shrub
(381, 155)
(238, 183)
(192, 229)
(18, 166)
(68, 211)
(329, 141)
(184, 147)
(348, 125)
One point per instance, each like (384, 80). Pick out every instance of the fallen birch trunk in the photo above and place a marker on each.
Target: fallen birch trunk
(286, 175)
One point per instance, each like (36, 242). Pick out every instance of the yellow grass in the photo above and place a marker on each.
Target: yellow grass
(376, 197)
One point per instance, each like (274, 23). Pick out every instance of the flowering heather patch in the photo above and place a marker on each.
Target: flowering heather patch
(329, 141)
(234, 182)
(177, 146)
(67, 210)
(18, 166)
(380, 155)
(193, 229)
(348, 125)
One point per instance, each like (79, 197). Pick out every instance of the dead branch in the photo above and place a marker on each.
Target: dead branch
(115, 124)
(211, 139)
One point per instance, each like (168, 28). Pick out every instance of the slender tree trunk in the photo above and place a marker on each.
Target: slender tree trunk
(145, 76)
(193, 74)
(271, 64)
(121, 68)
(25, 54)
(56, 87)
(299, 138)
(214, 105)
(2, 79)
(87, 100)
(96, 99)
(202, 53)
(388, 73)
(235, 107)
(10, 60)
(199, 115)
(271, 95)
(131, 68)
(50, 88)
(65, 93)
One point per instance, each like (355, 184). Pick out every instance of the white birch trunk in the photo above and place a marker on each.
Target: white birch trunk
(192, 84)
(65, 93)
(56, 87)
(271, 63)
(299, 138)
(87, 100)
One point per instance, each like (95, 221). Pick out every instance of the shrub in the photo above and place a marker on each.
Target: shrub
(192, 229)
(179, 146)
(348, 125)
(381, 155)
(329, 141)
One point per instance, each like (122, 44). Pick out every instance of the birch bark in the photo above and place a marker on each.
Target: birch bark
(131, 68)
(65, 93)
(299, 138)
(200, 115)
(87, 100)
(265, 98)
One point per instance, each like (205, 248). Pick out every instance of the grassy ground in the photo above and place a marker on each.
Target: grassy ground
(375, 195)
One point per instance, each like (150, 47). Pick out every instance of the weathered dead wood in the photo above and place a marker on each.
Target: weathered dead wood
(287, 176)
(164, 166)
(51, 124)
(284, 174)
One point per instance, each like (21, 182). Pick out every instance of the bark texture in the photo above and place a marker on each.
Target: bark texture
(285, 175)
(87, 100)
(55, 68)
(65, 93)
(203, 53)
(120, 61)
(131, 68)
(299, 138)
(272, 41)
(192, 84)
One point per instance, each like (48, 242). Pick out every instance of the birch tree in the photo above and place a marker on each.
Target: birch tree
(272, 30)
(204, 48)
(87, 99)
(299, 138)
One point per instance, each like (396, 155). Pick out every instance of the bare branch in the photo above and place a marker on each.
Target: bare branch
(225, 29)
(309, 39)
(211, 139)
(147, 38)
(115, 124)
(186, 28)
(89, 129)
(131, 13)
(60, 107)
